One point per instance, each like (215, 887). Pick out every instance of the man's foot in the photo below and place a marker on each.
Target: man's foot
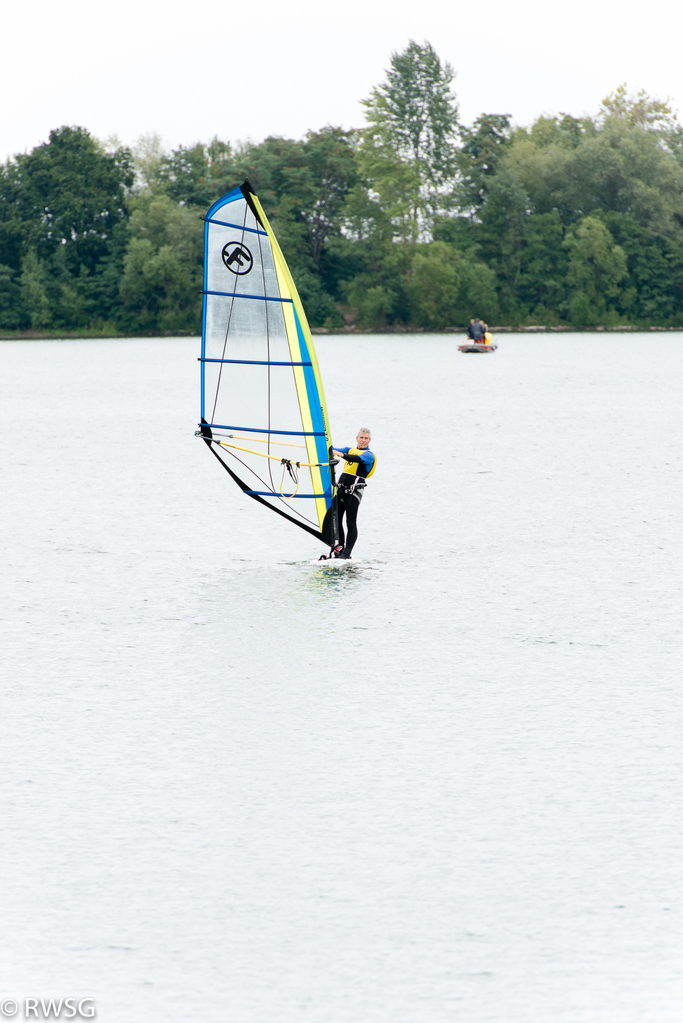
(342, 553)
(334, 553)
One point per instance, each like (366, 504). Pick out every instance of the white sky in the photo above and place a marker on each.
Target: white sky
(239, 71)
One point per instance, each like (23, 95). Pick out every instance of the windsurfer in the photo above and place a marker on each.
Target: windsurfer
(359, 463)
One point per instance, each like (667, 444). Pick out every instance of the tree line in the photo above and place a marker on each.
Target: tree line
(415, 220)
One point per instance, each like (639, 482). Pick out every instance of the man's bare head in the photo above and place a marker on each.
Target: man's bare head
(363, 437)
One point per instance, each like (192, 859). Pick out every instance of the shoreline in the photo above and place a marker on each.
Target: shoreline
(41, 335)
(563, 329)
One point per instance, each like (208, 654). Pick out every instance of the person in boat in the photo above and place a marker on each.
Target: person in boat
(359, 463)
(477, 331)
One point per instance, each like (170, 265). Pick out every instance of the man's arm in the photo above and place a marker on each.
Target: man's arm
(366, 457)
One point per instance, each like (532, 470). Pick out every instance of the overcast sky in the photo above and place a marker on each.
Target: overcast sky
(239, 70)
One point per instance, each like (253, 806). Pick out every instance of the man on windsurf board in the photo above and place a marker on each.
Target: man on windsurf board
(359, 464)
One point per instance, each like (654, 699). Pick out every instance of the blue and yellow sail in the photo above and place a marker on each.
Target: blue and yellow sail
(263, 411)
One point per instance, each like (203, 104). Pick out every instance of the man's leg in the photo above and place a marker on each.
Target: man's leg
(352, 506)
(336, 552)
(341, 508)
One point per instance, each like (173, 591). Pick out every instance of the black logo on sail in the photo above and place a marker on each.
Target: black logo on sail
(237, 258)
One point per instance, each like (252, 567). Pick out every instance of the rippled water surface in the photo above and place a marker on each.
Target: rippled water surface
(440, 785)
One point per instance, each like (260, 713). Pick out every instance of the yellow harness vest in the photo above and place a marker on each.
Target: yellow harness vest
(351, 468)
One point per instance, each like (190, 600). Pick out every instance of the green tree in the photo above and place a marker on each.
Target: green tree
(34, 291)
(305, 182)
(68, 192)
(620, 170)
(10, 299)
(377, 293)
(160, 284)
(655, 272)
(304, 187)
(445, 287)
(596, 269)
(60, 208)
(332, 165)
(408, 152)
(640, 111)
(148, 154)
(483, 146)
(564, 131)
(195, 175)
(541, 286)
(377, 305)
(502, 236)
(619, 167)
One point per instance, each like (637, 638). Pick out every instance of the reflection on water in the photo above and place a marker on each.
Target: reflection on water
(346, 578)
(431, 785)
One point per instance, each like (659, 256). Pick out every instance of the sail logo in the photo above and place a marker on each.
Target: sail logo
(237, 258)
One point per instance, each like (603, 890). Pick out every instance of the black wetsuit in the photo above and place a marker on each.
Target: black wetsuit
(349, 494)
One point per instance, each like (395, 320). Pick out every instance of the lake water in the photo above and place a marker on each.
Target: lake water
(440, 785)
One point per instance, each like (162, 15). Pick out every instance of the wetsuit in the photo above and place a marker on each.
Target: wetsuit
(358, 464)
(477, 331)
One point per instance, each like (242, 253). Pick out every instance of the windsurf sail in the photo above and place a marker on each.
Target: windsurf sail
(263, 411)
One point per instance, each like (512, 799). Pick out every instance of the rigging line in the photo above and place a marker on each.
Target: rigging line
(289, 514)
(243, 463)
(268, 401)
(268, 493)
(227, 331)
(294, 475)
(220, 371)
(260, 440)
(273, 458)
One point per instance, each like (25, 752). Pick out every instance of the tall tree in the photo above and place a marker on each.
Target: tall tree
(408, 149)
(483, 145)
